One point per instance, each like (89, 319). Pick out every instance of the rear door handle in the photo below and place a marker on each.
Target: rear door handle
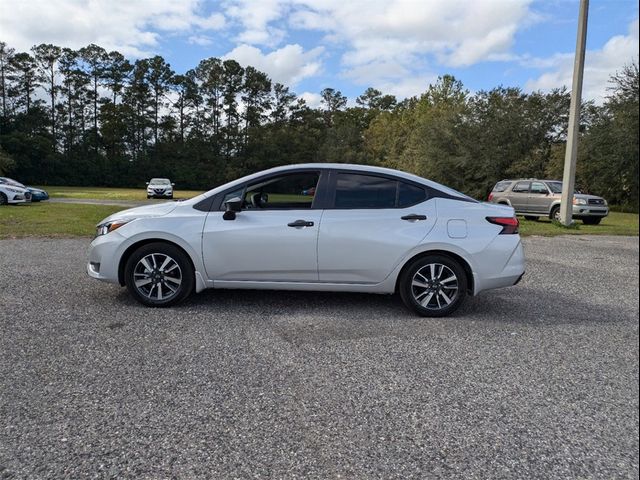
(300, 223)
(413, 216)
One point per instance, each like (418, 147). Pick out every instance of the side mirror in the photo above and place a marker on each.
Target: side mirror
(173, 184)
(232, 206)
(146, 183)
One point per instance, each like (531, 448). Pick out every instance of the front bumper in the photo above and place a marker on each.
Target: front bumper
(104, 257)
(19, 198)
(582, 211)
(158, 194)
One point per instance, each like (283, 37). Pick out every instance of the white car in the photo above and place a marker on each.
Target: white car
(363, 229)
(12, 193)
(160, 188)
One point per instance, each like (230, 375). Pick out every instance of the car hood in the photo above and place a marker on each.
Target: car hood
(159, 185)
(146, 211)
(14, 187)
(587, 197)
(35, 190)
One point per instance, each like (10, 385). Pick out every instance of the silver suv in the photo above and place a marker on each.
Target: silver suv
(537, 198)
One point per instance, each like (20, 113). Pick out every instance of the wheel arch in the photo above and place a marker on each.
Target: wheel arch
(133, 247)
(554, 205)
(454, 256)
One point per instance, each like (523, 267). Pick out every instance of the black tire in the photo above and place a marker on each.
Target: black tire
(163, 281)
(591, 220)
(3, 199)
(435, 293)
(532, 218)
(148, 197)
(554, 213)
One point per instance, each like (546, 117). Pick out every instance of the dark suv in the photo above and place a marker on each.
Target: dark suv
(535, 198)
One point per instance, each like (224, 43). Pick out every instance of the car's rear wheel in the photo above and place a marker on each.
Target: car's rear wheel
(433, 286)
(159, 275)
(3, 199)
(591, 220)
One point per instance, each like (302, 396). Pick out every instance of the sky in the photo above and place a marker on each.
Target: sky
(397, 46)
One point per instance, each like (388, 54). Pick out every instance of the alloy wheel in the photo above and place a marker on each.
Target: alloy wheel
(157, 276)
(434, 286)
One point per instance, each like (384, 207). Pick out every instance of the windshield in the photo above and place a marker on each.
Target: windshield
(160, 181)
(9, 181)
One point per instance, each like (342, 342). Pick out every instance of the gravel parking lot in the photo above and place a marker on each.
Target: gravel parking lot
(539, 380)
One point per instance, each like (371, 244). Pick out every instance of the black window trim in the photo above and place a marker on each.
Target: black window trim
(324, 199)
(216, 202)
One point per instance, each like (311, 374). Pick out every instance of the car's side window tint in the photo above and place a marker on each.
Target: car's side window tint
(521, 187)
(410, 194)
(293, 191)
(539, 187)
(364, 191)
(230, 195)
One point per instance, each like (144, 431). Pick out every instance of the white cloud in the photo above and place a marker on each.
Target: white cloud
(288, 65)
(255, 18)
(385, 40)
(124, 25)
(202, 40)
(599, 66)
(313, 100)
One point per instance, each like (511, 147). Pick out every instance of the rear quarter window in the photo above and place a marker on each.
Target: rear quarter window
(501, 186)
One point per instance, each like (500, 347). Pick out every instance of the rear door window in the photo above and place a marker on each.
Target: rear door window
(521, 187)
(359, 191)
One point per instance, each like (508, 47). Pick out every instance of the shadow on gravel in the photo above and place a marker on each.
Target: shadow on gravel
(518, 305)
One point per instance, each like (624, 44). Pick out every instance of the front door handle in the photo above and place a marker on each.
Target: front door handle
(300, 223)
(413, 216)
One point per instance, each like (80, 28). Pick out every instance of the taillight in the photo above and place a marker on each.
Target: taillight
(509, 225)
(490, 197)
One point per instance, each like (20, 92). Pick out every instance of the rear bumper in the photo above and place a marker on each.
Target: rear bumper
(502, 264)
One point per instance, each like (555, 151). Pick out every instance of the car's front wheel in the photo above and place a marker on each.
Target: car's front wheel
(159, 275)
(3, 199)
(433, 286)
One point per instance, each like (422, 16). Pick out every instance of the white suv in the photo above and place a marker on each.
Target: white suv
(160, 188)
(330, 227)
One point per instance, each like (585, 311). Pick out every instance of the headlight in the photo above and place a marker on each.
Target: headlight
(14, 190)
(579, 201)
(107, 227)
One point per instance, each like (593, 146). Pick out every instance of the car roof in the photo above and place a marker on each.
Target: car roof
(529, 180)
(346, 167)
(357, 168)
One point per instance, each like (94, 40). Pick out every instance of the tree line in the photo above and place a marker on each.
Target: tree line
(93, 117)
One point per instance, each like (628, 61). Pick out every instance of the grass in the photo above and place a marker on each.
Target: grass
(47, 219)
(107, 193)
(51, 219)
(616, 223)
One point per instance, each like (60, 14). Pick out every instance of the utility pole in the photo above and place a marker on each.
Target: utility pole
(569, 177)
